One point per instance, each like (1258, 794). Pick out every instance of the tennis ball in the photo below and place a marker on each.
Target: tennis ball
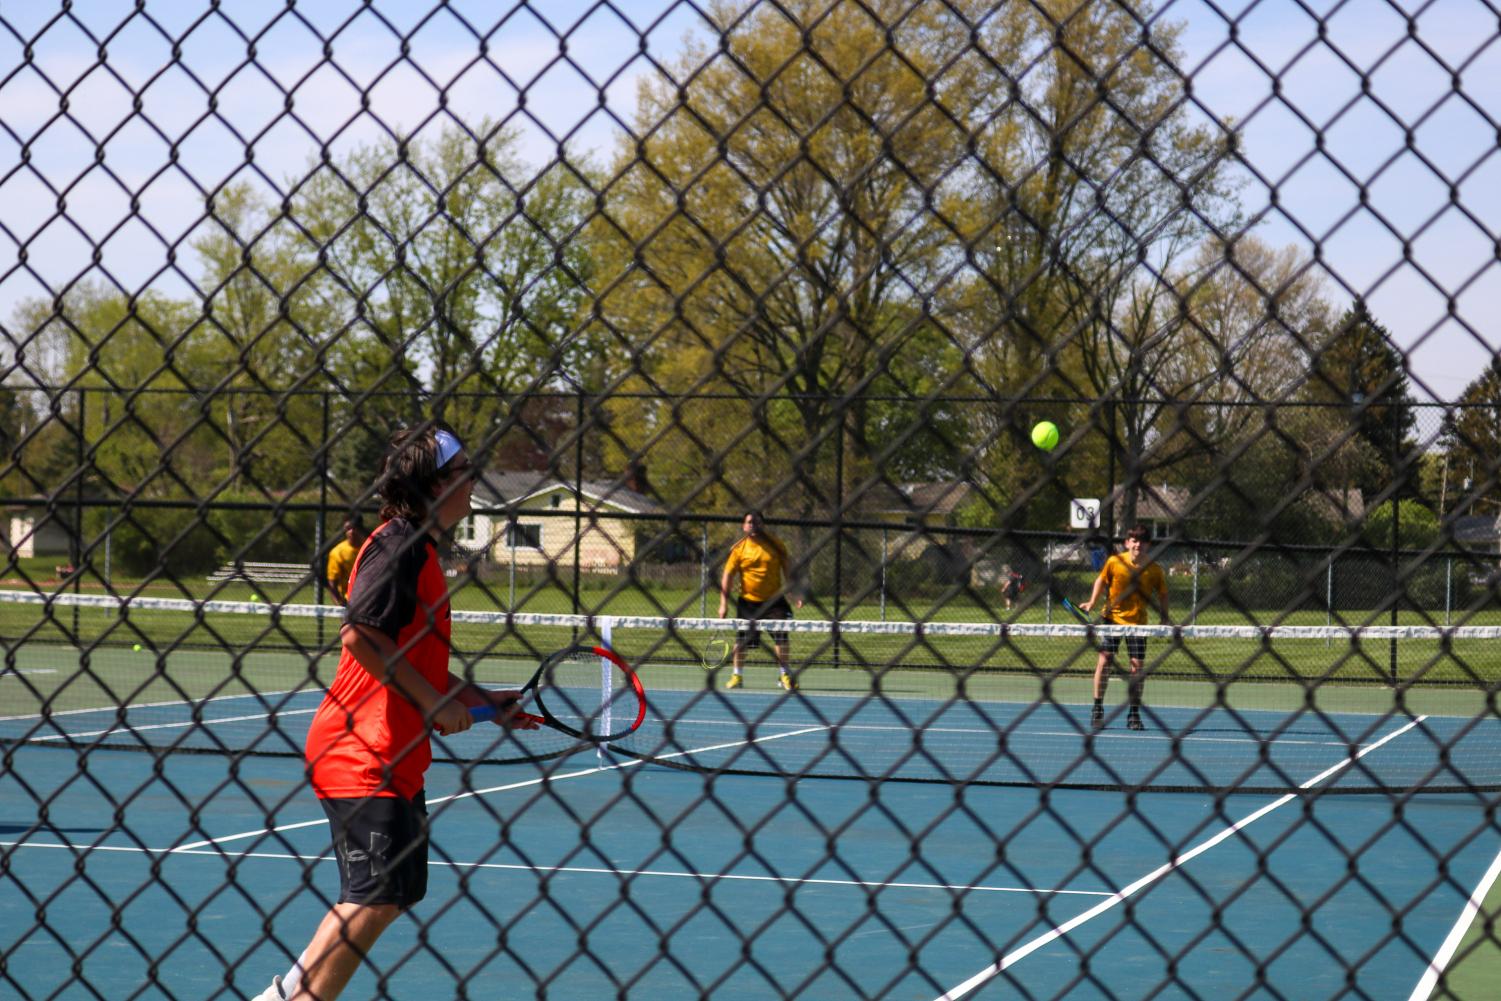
(137, 648)
(256, 597)
(1045, 435)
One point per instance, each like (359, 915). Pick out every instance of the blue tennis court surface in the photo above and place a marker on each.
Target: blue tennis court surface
(626, 879)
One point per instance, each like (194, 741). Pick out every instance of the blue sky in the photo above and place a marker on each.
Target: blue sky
(1418, 248)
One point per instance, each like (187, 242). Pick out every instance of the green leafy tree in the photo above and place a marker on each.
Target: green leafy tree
(1359, 370)
(1472, 436)
(775, 237)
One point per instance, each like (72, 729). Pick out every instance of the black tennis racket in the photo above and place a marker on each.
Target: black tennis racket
(1079, 613)
(586, 692)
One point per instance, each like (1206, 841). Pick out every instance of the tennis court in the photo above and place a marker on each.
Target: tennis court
(996, 829)
(744, 901)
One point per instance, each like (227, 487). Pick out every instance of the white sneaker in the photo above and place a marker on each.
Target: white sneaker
(272, 993)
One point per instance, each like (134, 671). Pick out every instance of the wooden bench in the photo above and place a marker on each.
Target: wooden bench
(262, 573)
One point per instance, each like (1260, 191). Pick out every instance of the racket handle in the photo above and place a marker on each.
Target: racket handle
(483, 714)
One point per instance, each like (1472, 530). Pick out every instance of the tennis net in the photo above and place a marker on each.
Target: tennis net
(1226, 708)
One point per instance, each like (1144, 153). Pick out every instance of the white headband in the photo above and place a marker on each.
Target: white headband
(448, 447)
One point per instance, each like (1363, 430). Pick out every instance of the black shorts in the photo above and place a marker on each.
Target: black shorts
(775, 609)
(381, 845)
(1136, 646)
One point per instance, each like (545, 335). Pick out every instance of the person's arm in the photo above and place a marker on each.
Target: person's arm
(377, 653)
(331, 576)
(731, 567)
(1094, 595)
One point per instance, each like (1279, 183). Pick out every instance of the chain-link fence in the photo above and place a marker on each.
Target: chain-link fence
(657, 266)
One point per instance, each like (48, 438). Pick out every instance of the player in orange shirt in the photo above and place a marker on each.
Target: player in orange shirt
(760, 561)
(368, 747)
(1126, 583)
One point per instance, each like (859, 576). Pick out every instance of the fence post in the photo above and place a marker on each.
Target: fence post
(1448, 587)
(1193, 611)
(1047, 575)
(320, 561)
(883, 574)
(703, 572)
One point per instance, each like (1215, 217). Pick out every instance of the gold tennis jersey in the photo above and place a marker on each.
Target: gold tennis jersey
(341, 565)
(760, 567)
(1127, 588)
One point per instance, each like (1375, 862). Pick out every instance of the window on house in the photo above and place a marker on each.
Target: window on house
(519, 536)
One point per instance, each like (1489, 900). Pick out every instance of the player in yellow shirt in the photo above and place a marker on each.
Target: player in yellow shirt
(760, 561)
(1126, 581)
(341, 560)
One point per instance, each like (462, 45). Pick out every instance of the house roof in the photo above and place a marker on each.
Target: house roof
(940, 498)
(1476, 529)
(513, 488)
(1159, 503)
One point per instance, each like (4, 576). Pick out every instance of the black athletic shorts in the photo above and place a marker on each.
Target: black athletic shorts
(1136, 646)
(381, 845)
(776, 609)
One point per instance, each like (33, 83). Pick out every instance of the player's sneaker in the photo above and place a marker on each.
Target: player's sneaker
(788, 683)
(734, 681)
(1133, 721)
(1097, 718)
(272, 993)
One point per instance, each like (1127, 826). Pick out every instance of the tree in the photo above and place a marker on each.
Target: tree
(1472, 436)
(777, 236)
(1358, 369)
(458, 277)
(1194, 358)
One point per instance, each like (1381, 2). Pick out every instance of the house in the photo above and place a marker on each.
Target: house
(530, 519)
(1161, 508)
(921, 511)
(31, 531)
(1477, 532)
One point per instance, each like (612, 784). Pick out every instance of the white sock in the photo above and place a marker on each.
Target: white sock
(293, 979)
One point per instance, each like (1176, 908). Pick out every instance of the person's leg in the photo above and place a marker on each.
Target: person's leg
(783, 646)
(1101, 680)
(381, 846)
(1137, 681)
(338, 947)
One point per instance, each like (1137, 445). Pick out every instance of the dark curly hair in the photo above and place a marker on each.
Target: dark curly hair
(409, 474)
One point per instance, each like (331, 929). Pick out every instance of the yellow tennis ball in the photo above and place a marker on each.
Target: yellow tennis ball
(1045, 435)
(137, 648)
(255, 597)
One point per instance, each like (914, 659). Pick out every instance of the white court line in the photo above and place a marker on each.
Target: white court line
(152, 705)
(591, 871)
(135, 727)
(633, 763)
(1012, 958)
(1440, 962)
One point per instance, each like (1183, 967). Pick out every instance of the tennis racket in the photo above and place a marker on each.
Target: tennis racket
(1079, 613)
(586, 692)
(717, 651)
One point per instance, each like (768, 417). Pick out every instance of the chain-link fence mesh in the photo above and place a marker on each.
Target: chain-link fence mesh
(659, 265)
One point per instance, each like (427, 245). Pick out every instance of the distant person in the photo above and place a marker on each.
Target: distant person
(760, 561)
(368, 748)
(1126, 582)
(341, 560)
(1012, 585)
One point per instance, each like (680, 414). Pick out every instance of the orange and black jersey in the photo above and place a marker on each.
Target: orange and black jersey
(367, 739)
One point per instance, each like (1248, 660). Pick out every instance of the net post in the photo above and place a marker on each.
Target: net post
(606, 724)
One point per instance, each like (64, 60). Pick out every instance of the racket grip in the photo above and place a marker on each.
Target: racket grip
(482, 713)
